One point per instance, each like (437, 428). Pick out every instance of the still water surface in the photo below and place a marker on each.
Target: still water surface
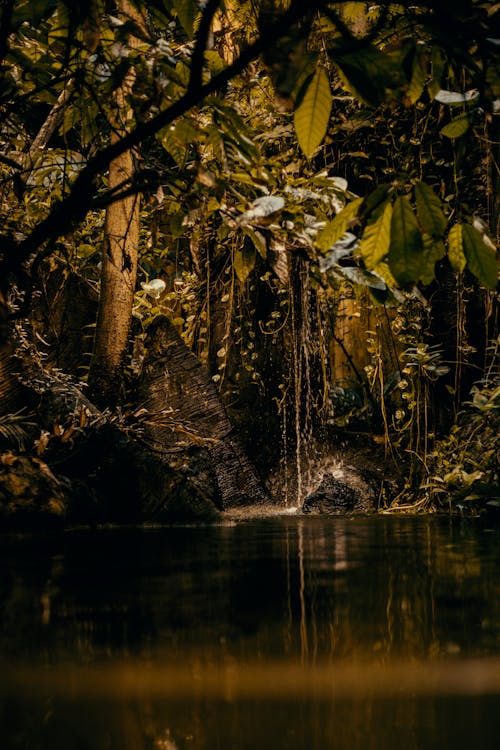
(285, 632)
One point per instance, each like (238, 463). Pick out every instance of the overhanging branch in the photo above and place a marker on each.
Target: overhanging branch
(75, 206)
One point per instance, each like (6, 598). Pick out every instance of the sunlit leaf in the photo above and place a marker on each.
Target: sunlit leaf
(383, 270)
(405, 253)
(313, 113)
(244, 262)
(376, 239)
(457, 127)
(455, 97)
(429, 210)
(336, 228)
(266, 205)
(455, 248)
(84, 250)
(481, 259)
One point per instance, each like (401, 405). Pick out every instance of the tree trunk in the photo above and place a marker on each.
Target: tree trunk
(119, 260)
(118, 279)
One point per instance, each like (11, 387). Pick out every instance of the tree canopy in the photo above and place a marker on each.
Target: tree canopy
(67, 59)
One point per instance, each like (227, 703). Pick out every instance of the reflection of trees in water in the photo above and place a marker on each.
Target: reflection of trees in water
(295, 588)
(290, 589)
(409, 588)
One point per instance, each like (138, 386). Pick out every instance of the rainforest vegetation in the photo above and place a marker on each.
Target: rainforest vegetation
(240, 238)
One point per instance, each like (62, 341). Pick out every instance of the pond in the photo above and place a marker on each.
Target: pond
(293, 632)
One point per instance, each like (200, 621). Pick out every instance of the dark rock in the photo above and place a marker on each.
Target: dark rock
(30, 495)
(335, 497)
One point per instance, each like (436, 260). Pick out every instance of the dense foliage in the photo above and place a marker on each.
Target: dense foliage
(290, 157)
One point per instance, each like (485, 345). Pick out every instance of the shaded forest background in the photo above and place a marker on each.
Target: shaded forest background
(241, 241)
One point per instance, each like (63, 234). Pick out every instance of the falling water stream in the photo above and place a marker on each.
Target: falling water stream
(300, 376)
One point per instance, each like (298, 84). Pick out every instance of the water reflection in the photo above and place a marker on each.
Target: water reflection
(286, 633)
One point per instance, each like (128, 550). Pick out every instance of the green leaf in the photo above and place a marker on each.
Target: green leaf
(313, 113)
(244, 262)
(417, 83)
(374, 202)
(429, 210)
(336, 228)
(376, 239)
(187, 10)
(457, 127)
(481, 259)
(258, 239)
(369, 73)
(405, 253)
(176, 138)
(384, 272)
(434, 250)
(455, 248)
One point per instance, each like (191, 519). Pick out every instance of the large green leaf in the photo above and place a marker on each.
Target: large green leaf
(405, 252)
(481, 259)
(455, 248)
(336, 228)
(429, 210)
(376, 238)
(313, 113)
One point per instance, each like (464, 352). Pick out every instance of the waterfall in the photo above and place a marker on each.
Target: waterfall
(300, 372)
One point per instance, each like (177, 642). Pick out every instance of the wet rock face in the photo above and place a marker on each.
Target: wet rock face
(334, 497)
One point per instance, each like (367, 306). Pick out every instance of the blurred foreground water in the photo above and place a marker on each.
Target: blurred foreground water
(285, 632)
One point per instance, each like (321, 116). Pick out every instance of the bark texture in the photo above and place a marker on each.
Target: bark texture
(119, 260)
(180, 407)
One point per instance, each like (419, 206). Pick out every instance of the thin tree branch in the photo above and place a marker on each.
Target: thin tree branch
(201, 42)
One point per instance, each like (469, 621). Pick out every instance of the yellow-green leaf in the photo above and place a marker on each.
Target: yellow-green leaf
(258, 239)
(313, 113)
(455, 248)
(429, 210)
(405, 252)
(417, 83)
(481, 259)
(187, 10)
(244, 262)
(457, 127)
(374, 245)
(433, 251)
(383, 270)
(338, 226)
